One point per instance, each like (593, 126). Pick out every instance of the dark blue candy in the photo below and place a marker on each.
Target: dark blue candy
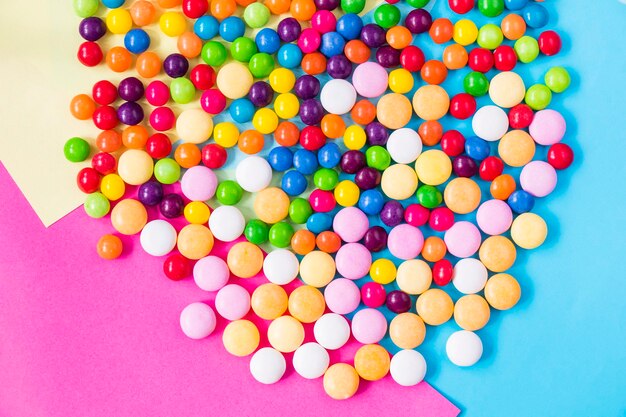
(267, 40)
(294, 183)
(329, 155)
(349, 26)
(477, 148)
(280, 158)
(521, 202)
(332, 44)
(305, 161)
(371, 202)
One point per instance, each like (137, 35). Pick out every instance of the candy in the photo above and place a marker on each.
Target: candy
(369, 326)
(557, 79)
(234, 80)
(306, 303)
(470, 276)
(341, 381)
(538, 178)
(471, 312)
(197, 320)
(507, 89)
(240, 338)
(353, 261)
(338, 96)
(232, 302)
(434, 306)
(285, 334)
(244, 259)
(281, 266)
(464, 348)
(407, 330)
(407, 367)
(210, 273)
(414, 276)
(267, 365)
(371, 362)
(462, 239)
(516, 148)
(269, 301)
(158, 238)
(529, 230)
(502, 291)
(405, 241)
(490, 123)
(311, 360)
(433, 167)
(399, 182)
(431, 102)
(494, 217)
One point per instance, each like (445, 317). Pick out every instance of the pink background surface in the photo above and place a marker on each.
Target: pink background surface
(80, 336)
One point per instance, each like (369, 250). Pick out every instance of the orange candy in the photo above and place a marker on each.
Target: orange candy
(363, 112)
(109, 247)
(356, 51)
(328, 242)
(434, 72)
(82, 107)
(441, 30)
(430, 132)
(302, 10)
(314, 63)
(135, 137)
(287, 134)
(189, 45)
(303, 242)
(251, 141)
(244, 3)
(434, 249)
(333, 126)
(109, 141)
(502, 186)
(399, 37)
(168, 4)
(142, 12)
(513, 26)
(187, 155)
(119, 59)
(222, 9)
(455, 56)
(278, 6)
(148, 64)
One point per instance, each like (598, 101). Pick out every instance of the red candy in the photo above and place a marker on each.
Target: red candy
(312, 138)
(461, 6)
(504, 58)
(490, 168)
(88, 180)
(416, 215)
(442, 272)
(521, 116)
(195, 8)
(177, 267)
(462, 106)
(560, 156)
(412, 58)
(373, 294)
(105, 118)
(104, 163)
(104, 92)
(441, 219)
(202, 76)
(89, 54)
(452, 143)
(549, 43)
(158, 146)
(481, 60)
(214, 156)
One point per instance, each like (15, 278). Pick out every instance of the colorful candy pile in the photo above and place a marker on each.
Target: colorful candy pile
(365, 177)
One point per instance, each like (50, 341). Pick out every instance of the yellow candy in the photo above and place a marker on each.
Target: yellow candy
(471, 312)
(265, 120)
(129, 216)
(241, 337)
(341, 381)
(431, 102)
(226, 134)
(516, 148)
(347, 193)
(306, 303)
(271, 205)
(118, 21)
(393, 110)
(282, 80)
(399, 182)
(285, 334)
(135, 166)
(507, 89)
(372, 362)
(234, 80)
(497, 253)
(502, 291)
(317, 269)
(434, 306)
(354, 137)
(529, 231)
(245, 259)
(465, 32)
(414, 276)
(383, 271)
(112, 186)
(197, 212)
(462, 195)
(195, 241)
(172, 23)
(269, 301)
(407, 330)
(433, 167)
(401, 81)
(194, 126)
(286, 106)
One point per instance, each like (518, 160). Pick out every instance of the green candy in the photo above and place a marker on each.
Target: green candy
(76, 149)
(387, 15)
(85, 8)
(97, 205)
(418, 4)
(214, 53)
(326, 179)
(557, 79)
(261, 65)
(378, 157)
(229, 193)
(280, 234)
(167, 171)
(256, 231)
(242, 49)
(300, 210)
(256, 15)
(429, 196)
(490, 36)
(491, 8)
(538, 97)
(352, 6)
(182, 90)
(527, 49)
(476, 84)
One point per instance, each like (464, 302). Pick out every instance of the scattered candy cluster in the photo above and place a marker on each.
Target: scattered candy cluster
(377, 207)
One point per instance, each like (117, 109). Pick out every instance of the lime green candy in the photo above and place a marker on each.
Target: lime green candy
(182, 90)
(527, 49)
(167, 171)
(256, 231)
(214, 53)
(378, 157)
(490, 36)
(418, 4)
(300, 210)
(76, 149)
(229, 193)
(538, 97)
(97, 205)
(387, 15)
(326, 179)
(85, 8)
(429, 196)
(242, 49)
(557, 79)
(491, 8)
(476, 84)
(256, 15)
(261, 65)
(352, 6)
(280, 234)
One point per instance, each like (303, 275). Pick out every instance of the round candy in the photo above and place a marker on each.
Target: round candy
(369, 326)
(502, 291)
(393, 110)
(109, 247)
(462, 239)
(158, 238)
(404, 145)
(434, 306)
(210, 273)
(194, 126)
(76, 149)
(269, 301)
(557, 79)
(129, 216)
(350, 224)
(306, 304)
(197, 320)
(464, 348)
(280, 266)
(407, 367)
(527, 49)
(240, 337)
(433, 167)
(227, 223)
(405, 241)
(232, 302)
(371, 362)
(234, 80)
(469, 276)
(195, 241)
(407, 330)
(414, 276)
(317, 268)
(253, 173)
(538, 178)
(271, 205)
(341, 381)
(462, 195)
(516, 148)
(490, 123)
(285, 334)
(370, 79)
(529, 230)
(311, 360)
(342, 296)
(399, 181)
(332, 331)
(353, 260)
(267, 365)
(244, 259)
(547, 127)
(431, 102)
(507, 89)
(135, 166)
(338, 96)
(494, 217)
(471, 312)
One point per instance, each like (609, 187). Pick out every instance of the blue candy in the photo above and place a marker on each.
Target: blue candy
(535, 15)
(319, 222)
(477, 148)
(294, 183)
(329, 155)
(349, 26)
(515, 4)
(289, 56)
(305, 161)
(113, 4)
(206, 27)
(267, 40)
(232, 28)
(521, 202)
(242, 110)
(371, 202)
(332, 44)
(280, 158)
(136, 41)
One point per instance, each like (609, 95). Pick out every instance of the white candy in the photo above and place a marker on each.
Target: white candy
(197, 320)
(227, 223)
(253, 174)
(281, 266)
(404, 145)
(407, 367)
(338, 96)
(464, 348)
(158, 238)
(311, 360)
(267, 365)
(490, 123)
(469, 276)
(332, 331)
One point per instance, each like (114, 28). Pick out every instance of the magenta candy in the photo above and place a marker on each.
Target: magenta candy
(162, 119)
(322, 201)
(416, 215)
(441, 219)
(213, 101)
(157, 93)
(323, 21)
(309, 40)
(373, 294)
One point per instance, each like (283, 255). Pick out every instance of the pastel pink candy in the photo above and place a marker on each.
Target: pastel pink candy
(370, 79)
(369, 326)
(548, 127)
(342, 296)
(232, 302)
(405, 241)
(198, 183)
(538, 178)
(353, 261)
(462, 239)
(350, 224)
(494, 217)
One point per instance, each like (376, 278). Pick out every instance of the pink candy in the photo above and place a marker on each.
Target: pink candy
(462, 239)
(369, 326)
(494, 217)
(538, 178)
(548, 127)
(199, 183)
(342, 296)
(353, 261)
(350, 224)
(405, 241)
(232, 302)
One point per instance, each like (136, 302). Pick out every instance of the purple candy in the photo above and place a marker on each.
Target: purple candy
(373, 35)
(388, 57)
(367, 178)
(92, 28)
(418, 21)
(464, 166)
(261, 94)
(150, 193)
(376, 134)
(352, 161)
(326, 4)
(175, 65)
(288, 29)
(130, 89)
(392, 213)
(311, 112)
(375, 239)
(339, 66)
(172, 206)
(307, 86)
(130, 113)
(398, 302)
